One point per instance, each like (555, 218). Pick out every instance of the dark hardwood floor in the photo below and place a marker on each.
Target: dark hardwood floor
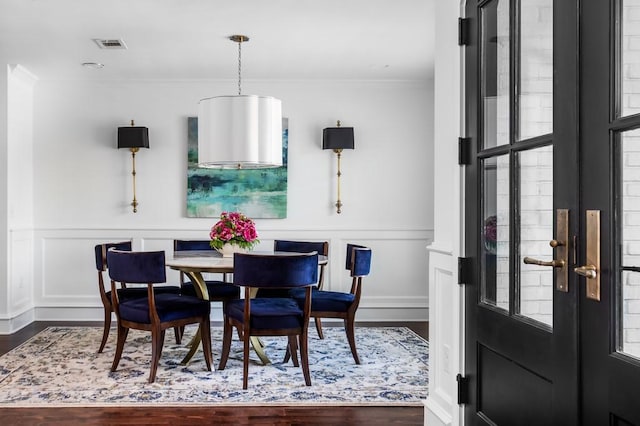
(181, 415)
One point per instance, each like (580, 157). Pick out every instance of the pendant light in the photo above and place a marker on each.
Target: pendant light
(239, 132)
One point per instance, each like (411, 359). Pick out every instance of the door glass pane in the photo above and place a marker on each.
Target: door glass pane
(536, 230)
(495, 73)
(630, 57)
(629, 300)
(495, 232)
(536, 68)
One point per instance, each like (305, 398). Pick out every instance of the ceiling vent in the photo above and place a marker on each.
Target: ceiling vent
(110, 43)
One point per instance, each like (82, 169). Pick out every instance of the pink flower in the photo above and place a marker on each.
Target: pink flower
(249, 234)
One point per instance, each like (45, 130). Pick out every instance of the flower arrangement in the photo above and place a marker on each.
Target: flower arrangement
(490, 234)
(234, 228)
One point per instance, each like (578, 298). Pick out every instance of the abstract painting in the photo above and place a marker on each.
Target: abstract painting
(258, 193)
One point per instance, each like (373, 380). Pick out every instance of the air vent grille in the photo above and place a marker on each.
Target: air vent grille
(110, 43)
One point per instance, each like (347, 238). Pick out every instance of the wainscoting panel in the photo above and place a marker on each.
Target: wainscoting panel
(20, 285)
(65, 277)
(446, 313)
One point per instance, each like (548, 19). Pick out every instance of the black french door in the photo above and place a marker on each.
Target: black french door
(553, 199)
(609, 144)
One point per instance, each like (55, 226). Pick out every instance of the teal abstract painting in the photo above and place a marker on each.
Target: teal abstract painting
(258, 193)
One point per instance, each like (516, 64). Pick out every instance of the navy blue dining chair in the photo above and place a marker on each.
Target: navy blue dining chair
(157, 311)
(342, 305)
(124, 292)
(271, 316)
(322, 247)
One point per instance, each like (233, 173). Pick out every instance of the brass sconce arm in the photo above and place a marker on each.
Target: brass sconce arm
(134, 203)
(338, 203)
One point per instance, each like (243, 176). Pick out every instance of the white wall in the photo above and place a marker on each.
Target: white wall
(82, 183)
(17, 284)
(446, 309)
(4, 184)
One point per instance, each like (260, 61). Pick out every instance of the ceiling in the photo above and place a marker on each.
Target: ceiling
(188, 39)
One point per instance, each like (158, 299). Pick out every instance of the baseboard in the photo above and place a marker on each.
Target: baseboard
(392, 314)
(13, 324)
(81, 313)
(70, 313)
(66, 313)
(435, 414)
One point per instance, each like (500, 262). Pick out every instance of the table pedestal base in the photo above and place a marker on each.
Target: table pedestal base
(194, 344)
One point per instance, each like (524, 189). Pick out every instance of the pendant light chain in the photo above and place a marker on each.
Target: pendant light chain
(239, 39)
(240, 67)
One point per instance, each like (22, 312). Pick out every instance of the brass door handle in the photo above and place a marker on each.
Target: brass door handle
(554, 263)
(591, 271)
(588, 271)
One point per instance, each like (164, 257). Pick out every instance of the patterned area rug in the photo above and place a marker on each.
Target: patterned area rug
(60, 366)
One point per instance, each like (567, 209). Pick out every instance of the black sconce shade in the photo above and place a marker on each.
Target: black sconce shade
(133, 137)
(337, 138)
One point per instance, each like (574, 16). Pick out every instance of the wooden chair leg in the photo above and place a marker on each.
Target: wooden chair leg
(205, 331)
(224, 309)
(304, 356)
(105, 330)
(292, 349)
(178, 332)
(350, 328)
(122, 337)
(245, 361)
(318, 322)
(226, 344)
(157, 341)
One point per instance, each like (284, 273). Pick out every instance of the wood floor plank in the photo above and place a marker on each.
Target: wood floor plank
(326, 415)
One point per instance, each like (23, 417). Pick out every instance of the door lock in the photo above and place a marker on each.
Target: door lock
(561, 246)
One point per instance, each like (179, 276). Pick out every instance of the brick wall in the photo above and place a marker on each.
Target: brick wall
(631, 177)
(631, 241)
(536, 166)
(536, 230)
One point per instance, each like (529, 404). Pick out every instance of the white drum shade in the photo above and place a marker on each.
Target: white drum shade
(243, 131)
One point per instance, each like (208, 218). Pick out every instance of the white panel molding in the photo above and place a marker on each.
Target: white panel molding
(20, 285)
(23, 75)
(442, 334)
(65, 277)
(446, 340)
(438, 249)
(446, 316)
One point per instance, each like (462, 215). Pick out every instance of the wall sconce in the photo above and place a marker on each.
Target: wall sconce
(337, 139)
(133, 138)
